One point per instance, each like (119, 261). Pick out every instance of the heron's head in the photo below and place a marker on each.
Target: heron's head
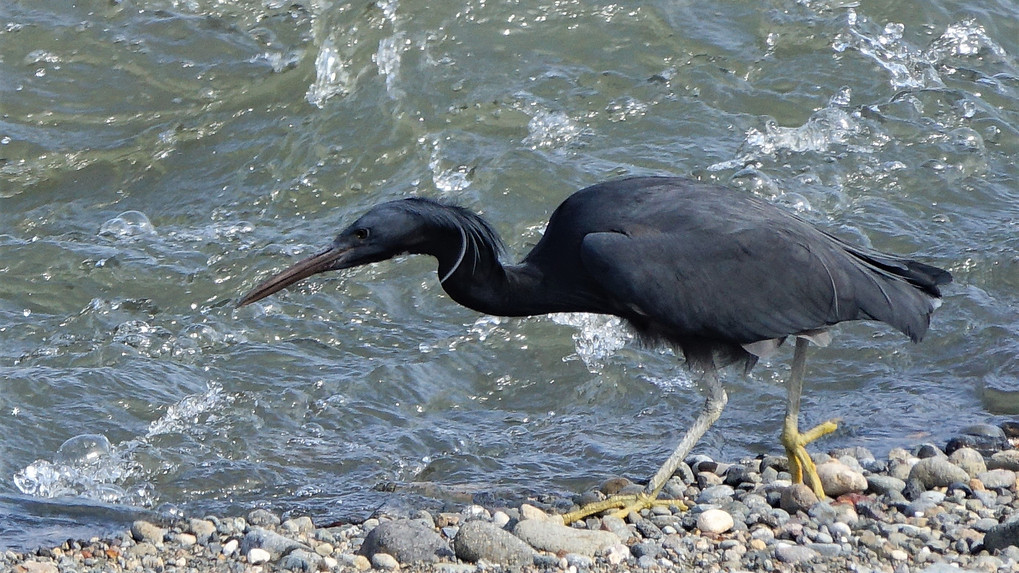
(414, 225)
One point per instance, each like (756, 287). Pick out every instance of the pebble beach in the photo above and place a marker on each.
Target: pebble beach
(929, 508)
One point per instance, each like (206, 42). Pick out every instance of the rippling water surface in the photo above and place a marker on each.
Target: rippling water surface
(158, 159)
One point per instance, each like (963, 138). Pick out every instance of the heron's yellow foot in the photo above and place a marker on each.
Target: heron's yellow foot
(801, 466)
(624, 504)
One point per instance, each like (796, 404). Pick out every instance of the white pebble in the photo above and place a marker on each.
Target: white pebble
(616, 554)
(528, 511)
(230, 546)
(258, 555)
(385, 561)
(715, 521)
(500, 518)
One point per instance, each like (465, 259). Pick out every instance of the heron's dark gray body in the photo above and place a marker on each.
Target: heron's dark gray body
(695, 264)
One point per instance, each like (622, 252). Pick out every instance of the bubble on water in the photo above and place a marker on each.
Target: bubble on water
(84, 449)
(129, 224)
(140, 335)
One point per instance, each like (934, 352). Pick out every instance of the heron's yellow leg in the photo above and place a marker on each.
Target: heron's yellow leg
(800, 465)
(624, 504)
(713, 405)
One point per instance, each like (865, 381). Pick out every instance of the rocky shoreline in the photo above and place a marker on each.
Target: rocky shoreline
(926, 509)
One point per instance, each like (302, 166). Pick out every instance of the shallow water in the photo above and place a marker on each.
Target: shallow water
(158, 159)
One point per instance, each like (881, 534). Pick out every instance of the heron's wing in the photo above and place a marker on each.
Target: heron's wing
(737, 287)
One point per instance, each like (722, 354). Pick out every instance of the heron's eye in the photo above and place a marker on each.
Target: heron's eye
(361, 234)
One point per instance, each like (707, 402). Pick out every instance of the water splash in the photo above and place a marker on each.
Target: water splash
(388, 60)
(447, 180)
(331, 75)
(909, 66)
(85, 466)
(598, 336)
(551, 129)
(835, 125)
(88, 466)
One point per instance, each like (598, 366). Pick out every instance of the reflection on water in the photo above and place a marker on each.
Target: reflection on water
(157, 161)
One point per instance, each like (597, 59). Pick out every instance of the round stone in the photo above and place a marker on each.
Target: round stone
(258, 555)
(715, 521)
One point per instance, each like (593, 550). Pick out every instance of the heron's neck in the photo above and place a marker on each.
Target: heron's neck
(475, 278)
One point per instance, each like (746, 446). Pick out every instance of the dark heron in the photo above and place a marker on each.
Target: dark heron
(720, 275)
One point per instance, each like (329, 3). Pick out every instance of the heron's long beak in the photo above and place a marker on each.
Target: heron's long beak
(327, 260)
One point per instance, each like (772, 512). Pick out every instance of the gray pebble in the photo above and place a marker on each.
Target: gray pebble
(788, 553)
(881, 484)
(648, 548)
(937, 472)
(647, 562)
(1008, 460)
(271, 541)
(263, 518)
(204, 530)
(384, 561)
(797, 497)
(616, 525)
(579, 561)
(479, 540)
(1003, 535)
(298, 525)
(408, 540)
(145, 531)
(970, 460)
(716, 495)
(998, 479)
(826, 549)
(554, 537)
(301, 560)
